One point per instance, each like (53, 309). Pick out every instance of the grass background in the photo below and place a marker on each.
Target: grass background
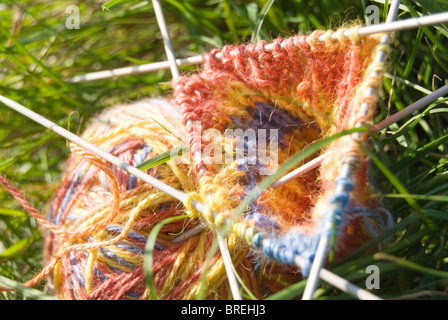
(38, 55)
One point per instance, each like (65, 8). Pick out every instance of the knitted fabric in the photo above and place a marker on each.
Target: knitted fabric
(303, 88)
(307, 90)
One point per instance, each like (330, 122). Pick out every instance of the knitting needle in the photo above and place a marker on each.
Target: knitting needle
(401, 25)
(172, 62)
(234, 287)
(346, 286)
(299, 171)
(134, 70)
(179, 195)
(166, 39)
(342, 284)
(346, 170)
(406, 24)
(428, 99)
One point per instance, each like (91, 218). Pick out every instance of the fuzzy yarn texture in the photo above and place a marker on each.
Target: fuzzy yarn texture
(303, 88)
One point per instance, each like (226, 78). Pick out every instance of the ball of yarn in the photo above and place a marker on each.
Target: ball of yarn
(108, 215)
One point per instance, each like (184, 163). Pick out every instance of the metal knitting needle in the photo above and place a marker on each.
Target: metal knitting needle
(342, 284)
(172, 62)
(401, 25)
(346, 169)
(179, 195)
(407, 24)
(134, 70)
(234, 287)
(166, 39)
(346, 286)
(428, 99)
(388, 26)
(310, 165)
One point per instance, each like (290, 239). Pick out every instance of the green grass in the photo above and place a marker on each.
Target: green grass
(38, 55)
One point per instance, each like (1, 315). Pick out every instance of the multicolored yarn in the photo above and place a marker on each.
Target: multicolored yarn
(306, 90)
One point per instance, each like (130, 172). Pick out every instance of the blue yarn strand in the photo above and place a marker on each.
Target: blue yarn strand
(287, 247)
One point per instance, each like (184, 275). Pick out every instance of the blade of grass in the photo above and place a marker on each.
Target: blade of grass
(290, 292)
(249, 294)
(24, 51)
(400, 187)
(17, 248)
(12, 212)
(149, 256)
(256, 33)
(5, 164)
(419, 154)
(162, 158)
(413, 54)
(114, 4)
(167, 130)
(417, 196)
(411, 265)
(29, 293)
